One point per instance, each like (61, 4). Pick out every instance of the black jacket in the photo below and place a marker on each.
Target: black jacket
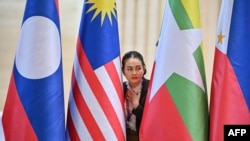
(139, 110)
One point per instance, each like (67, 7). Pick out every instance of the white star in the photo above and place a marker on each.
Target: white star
(175, 54)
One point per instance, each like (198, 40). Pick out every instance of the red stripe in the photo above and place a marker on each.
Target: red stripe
(85, 113)
(16, 124)
(99, 92)
(114, 76)
(57, 6)
(228, 105)
(162, 120)
(71, 128)
(70, 125)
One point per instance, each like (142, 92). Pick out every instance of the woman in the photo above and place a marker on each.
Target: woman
(135, 91)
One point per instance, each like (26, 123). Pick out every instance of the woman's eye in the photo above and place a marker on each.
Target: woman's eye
(129, 69)
(138, 68)
(134, 69)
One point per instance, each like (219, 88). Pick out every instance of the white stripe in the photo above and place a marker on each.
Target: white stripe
(224, 23)
(118, 67)
(109, 88)
(81, 129)
(93, 104)
(2, 138)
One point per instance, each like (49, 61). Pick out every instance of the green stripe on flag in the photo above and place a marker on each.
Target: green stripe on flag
(198, 56)
(191, 102)
(180, 14)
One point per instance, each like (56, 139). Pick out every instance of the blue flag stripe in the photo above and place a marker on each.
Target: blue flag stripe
(45, 8)
(238, 45)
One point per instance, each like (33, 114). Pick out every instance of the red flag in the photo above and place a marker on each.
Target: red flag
(96, 100)
(230, 92)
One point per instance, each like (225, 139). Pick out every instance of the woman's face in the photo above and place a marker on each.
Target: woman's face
(133, 71)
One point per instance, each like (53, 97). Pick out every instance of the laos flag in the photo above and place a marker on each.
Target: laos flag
(230, 93)
(34, 108)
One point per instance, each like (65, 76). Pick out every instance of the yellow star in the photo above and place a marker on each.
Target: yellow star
(220, 38)
(105, 7)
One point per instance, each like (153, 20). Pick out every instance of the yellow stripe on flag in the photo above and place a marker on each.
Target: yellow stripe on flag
(192, 7)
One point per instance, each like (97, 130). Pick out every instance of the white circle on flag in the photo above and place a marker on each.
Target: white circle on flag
(39, 51)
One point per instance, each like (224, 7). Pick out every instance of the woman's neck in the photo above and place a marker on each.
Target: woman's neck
(135, 85)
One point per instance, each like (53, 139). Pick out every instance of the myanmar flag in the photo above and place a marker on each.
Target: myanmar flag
(176, 107)
(230, 93)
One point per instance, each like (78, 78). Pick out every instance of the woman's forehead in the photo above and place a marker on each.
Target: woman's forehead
(133, 62)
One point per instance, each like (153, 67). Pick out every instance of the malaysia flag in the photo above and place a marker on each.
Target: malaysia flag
(95, 109)
(34, 108)
(230, 93)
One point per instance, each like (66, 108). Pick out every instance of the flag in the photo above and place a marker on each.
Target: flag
(96, 98)
(176, 107)
(230, 92)
(34, 108)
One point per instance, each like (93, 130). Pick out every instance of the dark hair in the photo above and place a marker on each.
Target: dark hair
(133, 54)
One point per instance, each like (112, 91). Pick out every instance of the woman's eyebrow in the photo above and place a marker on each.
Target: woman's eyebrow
(134, 66)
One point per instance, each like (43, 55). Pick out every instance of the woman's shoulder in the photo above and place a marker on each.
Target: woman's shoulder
(145, 82)
(124, 85)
